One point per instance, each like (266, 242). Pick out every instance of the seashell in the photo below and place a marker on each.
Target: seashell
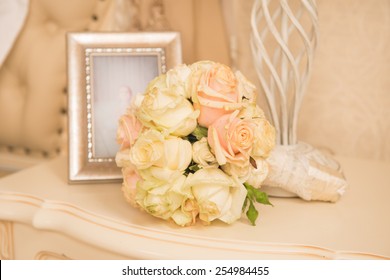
(301, 170)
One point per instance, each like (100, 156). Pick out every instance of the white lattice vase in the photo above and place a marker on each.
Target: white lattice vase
(284, 38)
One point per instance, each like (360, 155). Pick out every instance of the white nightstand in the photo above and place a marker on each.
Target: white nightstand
(42, 217)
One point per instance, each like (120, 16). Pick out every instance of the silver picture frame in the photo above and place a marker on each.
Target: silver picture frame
(104, 71)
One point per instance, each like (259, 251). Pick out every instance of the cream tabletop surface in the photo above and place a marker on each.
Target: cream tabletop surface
(355, 227)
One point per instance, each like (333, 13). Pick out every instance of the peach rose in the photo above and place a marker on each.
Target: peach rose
(215, 92)
(130, 180)
(231, 138)
(128, 131)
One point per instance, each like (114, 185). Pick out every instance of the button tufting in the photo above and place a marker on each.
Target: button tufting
(94, 17)
(51, 26)
(63, 111)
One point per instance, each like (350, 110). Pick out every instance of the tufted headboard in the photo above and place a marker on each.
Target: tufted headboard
(33, 81)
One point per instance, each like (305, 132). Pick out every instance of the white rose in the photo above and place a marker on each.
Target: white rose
(258, 174)
(177, 153)
(186, 215)
(122, 158)
(148, 150)
(264, 138)
(202, 155)
(253, 172)
(164, 197)
(238, 168)
(152, 149)
(245, 87)
(177, 80)
(251, 111)
(166, 110)
(218, 195)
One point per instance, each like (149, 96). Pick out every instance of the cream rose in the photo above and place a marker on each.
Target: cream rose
(202, 155)
(164, 198)
(264, 138)
(186, 215)
(218, 195)
(258, 173)
(239, 167)
(153, 149)
(148, 150)
(177, 153)
(251, 111)
(245, 88)
(253, 172)
(122, 158)
(128, 130)
(214, 92)
(166, 109)
(177, 80)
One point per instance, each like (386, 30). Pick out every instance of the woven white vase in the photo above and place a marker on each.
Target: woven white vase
(284, 39)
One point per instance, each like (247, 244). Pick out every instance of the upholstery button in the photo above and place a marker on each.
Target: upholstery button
(51, 26)
(94, 17)
(63, 111)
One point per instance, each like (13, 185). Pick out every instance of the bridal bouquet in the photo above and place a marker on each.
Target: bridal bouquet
(194, 145)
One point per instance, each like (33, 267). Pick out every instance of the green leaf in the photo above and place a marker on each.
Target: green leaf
(248, 186)
(200, 132)
(245, 204)
(252, 213)
(250, 193)
(254, 195)
(262, 197)
(194, 167)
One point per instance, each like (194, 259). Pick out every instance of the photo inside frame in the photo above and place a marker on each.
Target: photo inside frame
(115, 80)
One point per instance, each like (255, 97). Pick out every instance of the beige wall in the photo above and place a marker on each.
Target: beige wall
(347, 107)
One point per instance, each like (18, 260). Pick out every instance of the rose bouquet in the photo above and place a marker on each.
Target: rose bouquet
(194, 145)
